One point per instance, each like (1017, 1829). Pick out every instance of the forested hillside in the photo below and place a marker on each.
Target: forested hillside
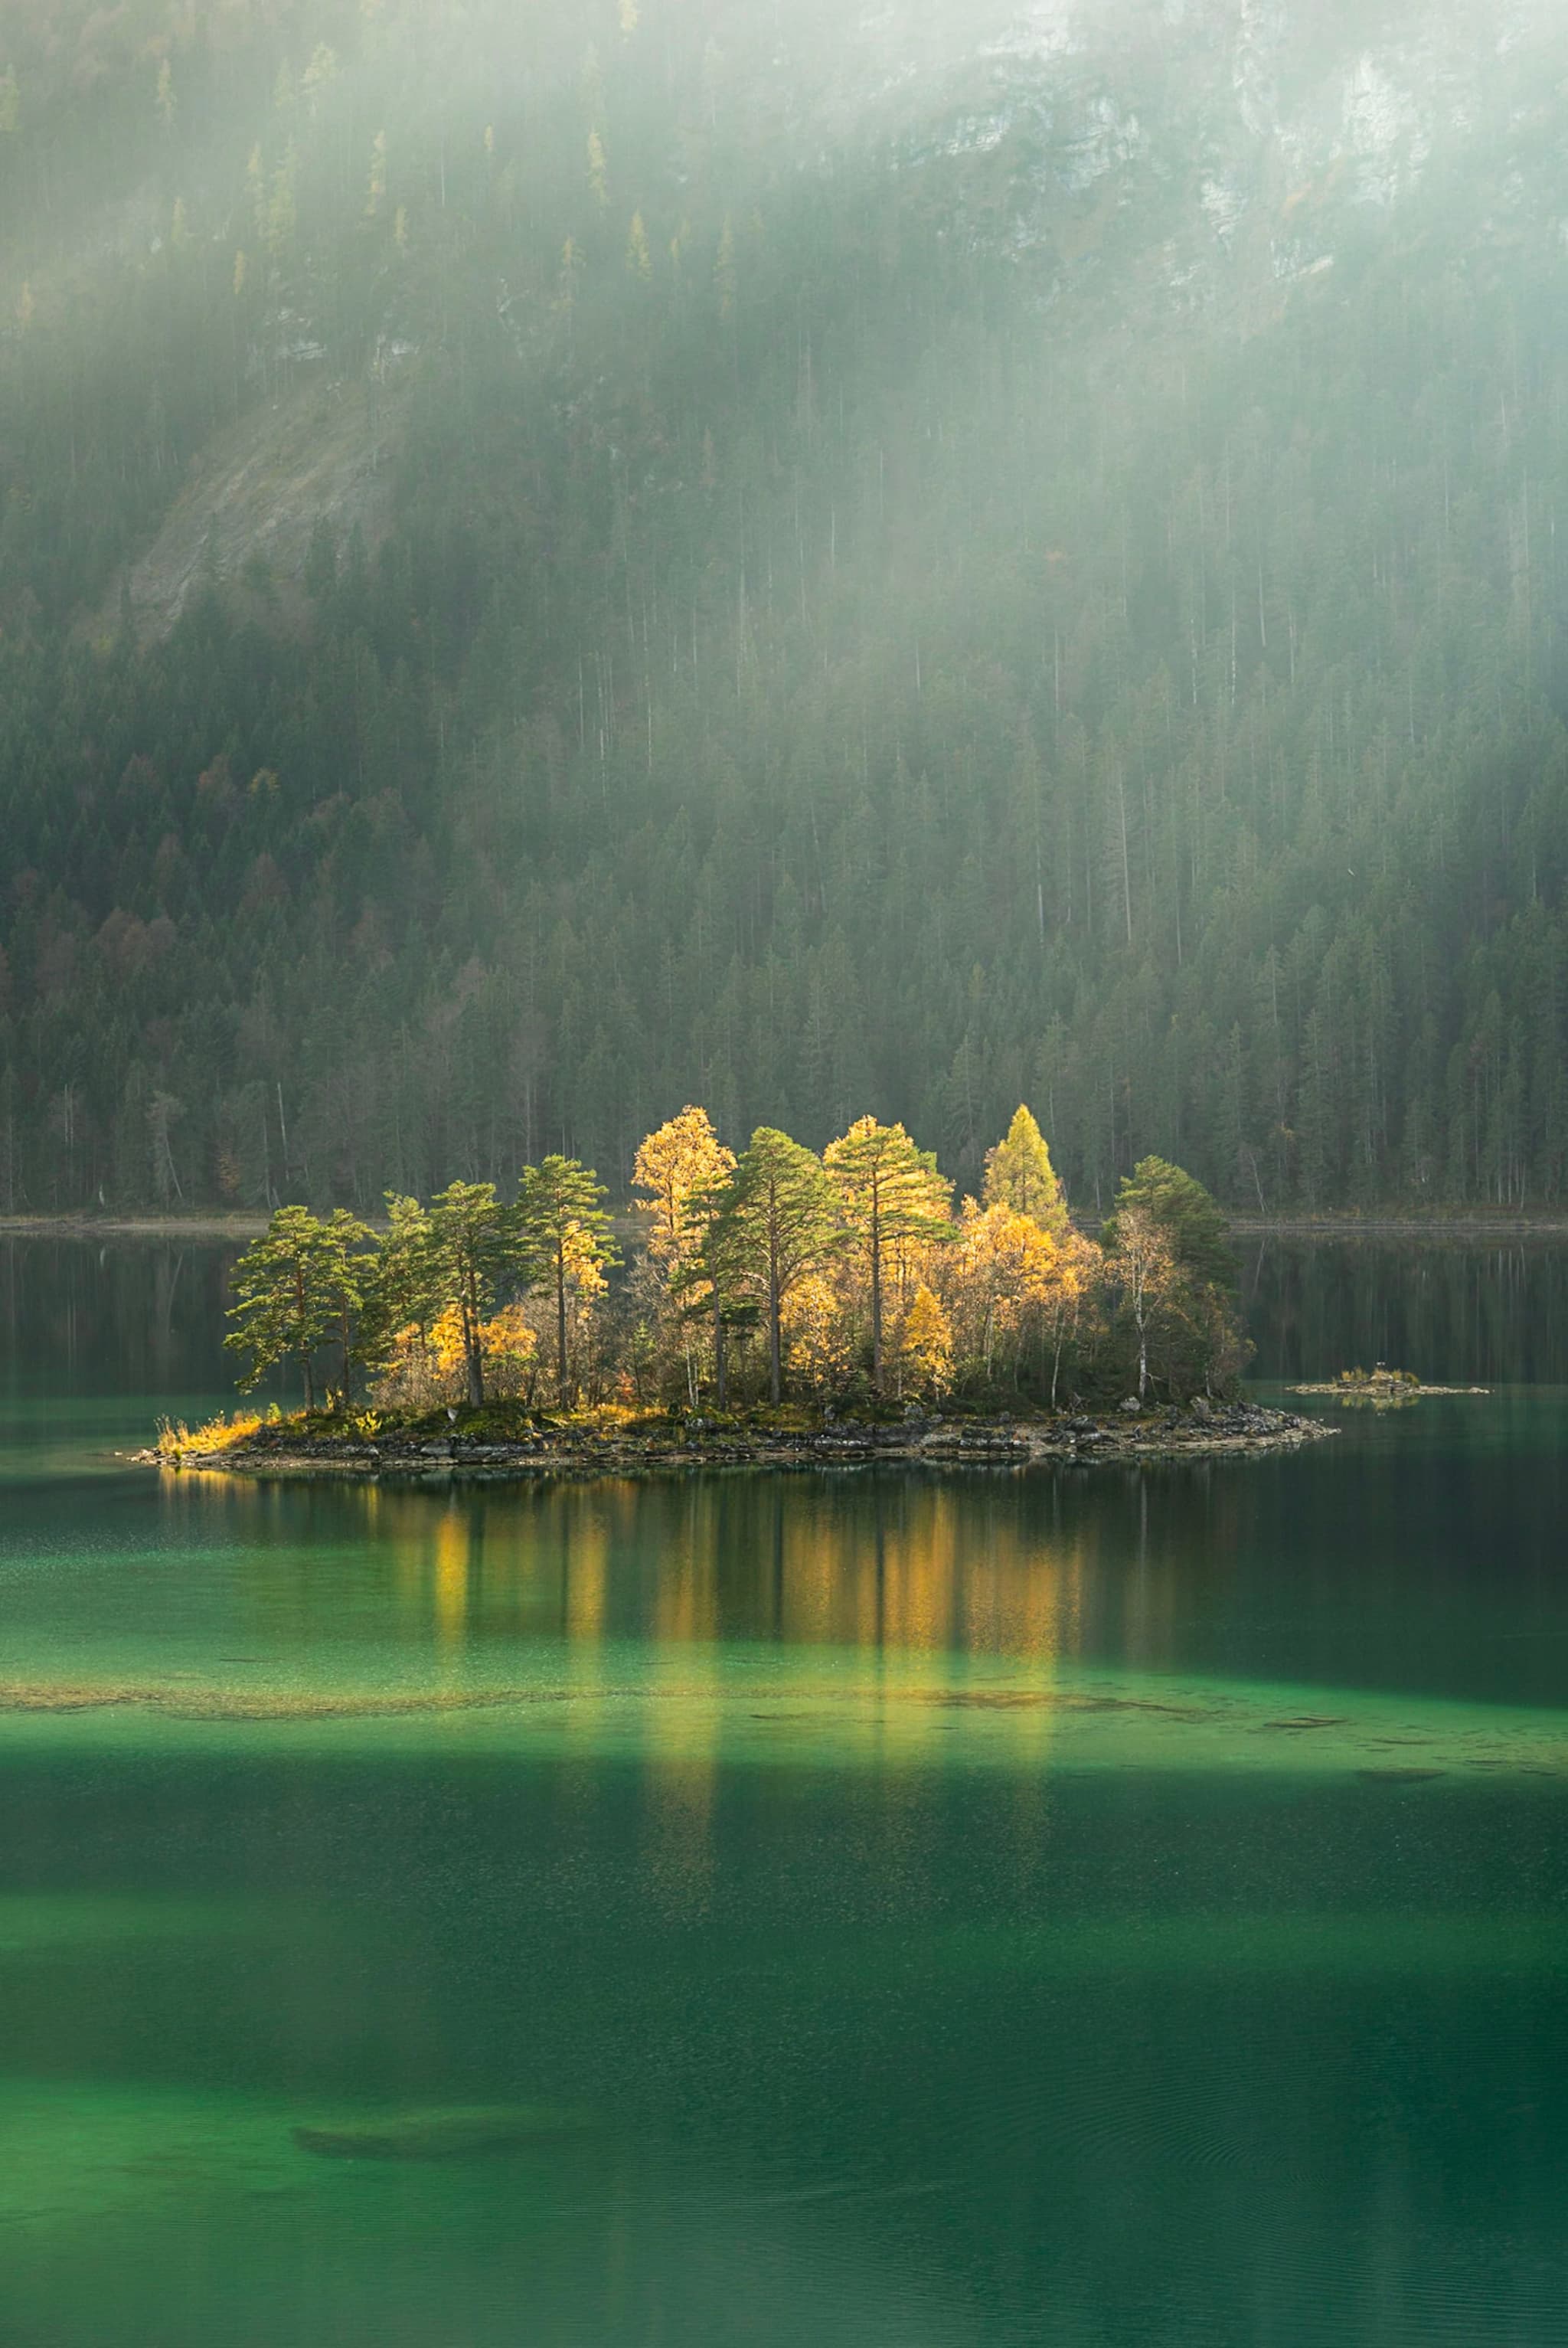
(558, 560)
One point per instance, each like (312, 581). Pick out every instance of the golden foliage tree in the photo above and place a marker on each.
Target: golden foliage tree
(923, 1347)
(1004, 1271)
(1074, 1303)
(1019, 1174)
(682, 1167)
(819, 1338)
(676, 1166)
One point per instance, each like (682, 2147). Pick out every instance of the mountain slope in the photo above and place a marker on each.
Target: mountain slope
(909, 562)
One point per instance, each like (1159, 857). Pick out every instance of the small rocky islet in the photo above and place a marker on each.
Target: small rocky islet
(1380, 1389)
(1135, 1434)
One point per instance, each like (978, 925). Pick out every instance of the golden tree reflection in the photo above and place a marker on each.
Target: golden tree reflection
(453, 1566)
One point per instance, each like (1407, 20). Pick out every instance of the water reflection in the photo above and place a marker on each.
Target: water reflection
(82, 1316)
(455, 1546)
(1447, 1310)
(941, 1567)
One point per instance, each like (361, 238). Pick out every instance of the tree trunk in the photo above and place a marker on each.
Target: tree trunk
(876, 1288)
(474, 1352)
(720, 1364)
(304, 1351)
(560, 1326)
(775, 1341)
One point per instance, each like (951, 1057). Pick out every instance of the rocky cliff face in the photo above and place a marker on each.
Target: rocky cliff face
(1234, 141)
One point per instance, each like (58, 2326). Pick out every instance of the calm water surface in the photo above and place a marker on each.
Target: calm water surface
(1088, 1908)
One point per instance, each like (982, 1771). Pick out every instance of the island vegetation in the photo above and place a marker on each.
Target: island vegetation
(840, 1278)
(775, 1289)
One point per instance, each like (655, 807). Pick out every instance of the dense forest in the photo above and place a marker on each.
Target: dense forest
(560, 560)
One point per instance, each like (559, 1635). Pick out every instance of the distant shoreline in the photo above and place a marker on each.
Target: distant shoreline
(1427, 1228)
(132, 1227)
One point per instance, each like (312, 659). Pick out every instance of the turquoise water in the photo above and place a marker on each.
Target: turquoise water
(1071, 1908)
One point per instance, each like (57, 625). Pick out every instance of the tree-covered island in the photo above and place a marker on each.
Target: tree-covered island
(765, 1301)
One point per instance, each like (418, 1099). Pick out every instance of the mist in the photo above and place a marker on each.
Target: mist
(559, 563)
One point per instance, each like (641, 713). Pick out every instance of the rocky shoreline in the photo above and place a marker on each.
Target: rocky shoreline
(1206, 1432)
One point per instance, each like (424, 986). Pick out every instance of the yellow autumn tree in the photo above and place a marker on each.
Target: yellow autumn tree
(510, 1344)
(1073, 1310)
(682, 1167)
(676, 1166)
(1019, 1173)
(1000, 1281)
(922, 1349)
(819, 1336)
(424, 1370)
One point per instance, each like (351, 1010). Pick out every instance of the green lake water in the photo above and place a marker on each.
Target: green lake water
(1073, 1908)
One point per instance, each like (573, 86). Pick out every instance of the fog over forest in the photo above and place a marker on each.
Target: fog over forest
(559, 560)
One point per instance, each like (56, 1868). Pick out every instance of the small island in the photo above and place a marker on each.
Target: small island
(777, 1309)
(498, 1446)
(1380, 1389)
